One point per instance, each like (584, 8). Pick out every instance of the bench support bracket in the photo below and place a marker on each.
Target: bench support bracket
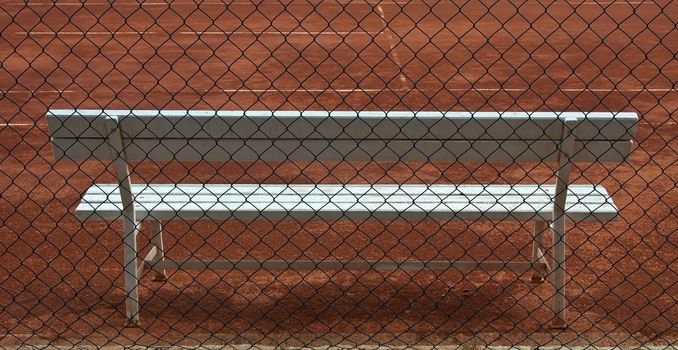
(557, 276)
(538, 255)
(129, 220)
(156, 241)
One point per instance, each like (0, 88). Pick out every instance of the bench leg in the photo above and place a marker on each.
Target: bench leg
(131, 272)
(558, 275)
(538, 252)
(156, 240)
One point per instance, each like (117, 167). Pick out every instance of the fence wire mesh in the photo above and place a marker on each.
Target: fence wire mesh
(345, 270)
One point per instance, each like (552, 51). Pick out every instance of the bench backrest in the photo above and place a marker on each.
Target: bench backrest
(337, 136)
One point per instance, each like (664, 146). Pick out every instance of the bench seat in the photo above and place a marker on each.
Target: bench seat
(159, 202)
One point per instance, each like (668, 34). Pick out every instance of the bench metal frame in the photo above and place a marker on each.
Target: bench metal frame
(156, 261)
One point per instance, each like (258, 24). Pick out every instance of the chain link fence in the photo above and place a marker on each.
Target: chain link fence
(412, 97)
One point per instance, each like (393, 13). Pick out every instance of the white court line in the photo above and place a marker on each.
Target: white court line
(198, 2)
(392, 45)
(85, 33)
(607, 3)
(619, 90)
(5, 125)
(346, 2)
(371, 90)
(239, 32)
(275, 32)
(302, 90)
(448, 89)
(7, 92)
(347, 91)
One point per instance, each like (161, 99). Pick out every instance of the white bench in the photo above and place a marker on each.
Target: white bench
(562, 138)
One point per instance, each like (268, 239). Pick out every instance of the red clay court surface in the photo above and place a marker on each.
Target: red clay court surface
(60, 280)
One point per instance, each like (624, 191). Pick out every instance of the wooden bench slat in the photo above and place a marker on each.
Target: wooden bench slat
(324, 192)
(258, 198)
(339, 150)
(494, 189)
(462, 203)
(534, 200)
(342, 125)
(359, 211)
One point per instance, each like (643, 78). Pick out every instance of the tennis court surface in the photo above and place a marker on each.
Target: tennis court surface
(61, 279)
